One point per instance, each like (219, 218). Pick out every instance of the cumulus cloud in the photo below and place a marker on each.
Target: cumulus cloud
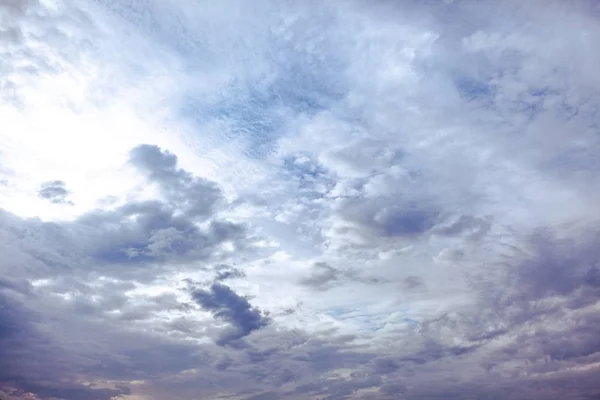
(224, 303)
(60, 259)
(195, 196)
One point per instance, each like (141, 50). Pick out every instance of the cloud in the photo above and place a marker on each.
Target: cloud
(324, 277)
(54, 191)
(75, 268)
(229, 274)
(473, 227)
(224, 303)
(358, 201)
(27, 360)
(195, 197)
(146, 230)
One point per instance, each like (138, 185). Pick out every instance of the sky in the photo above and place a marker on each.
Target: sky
(277, 199)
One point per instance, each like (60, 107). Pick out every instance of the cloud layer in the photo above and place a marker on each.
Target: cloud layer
(235, 200)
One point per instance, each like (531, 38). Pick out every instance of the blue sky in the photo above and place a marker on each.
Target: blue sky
(292, 200)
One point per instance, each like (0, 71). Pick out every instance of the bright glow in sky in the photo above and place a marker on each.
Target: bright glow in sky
(299, 200)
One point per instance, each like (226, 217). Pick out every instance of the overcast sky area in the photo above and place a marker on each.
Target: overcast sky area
(261, 200)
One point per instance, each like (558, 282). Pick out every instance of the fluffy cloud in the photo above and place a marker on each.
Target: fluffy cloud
(260, 201)
(226, 304)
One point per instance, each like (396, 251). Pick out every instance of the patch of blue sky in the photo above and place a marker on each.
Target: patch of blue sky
(308, 86)
(475, 90)
(162, 25)
(250, 117)
(257, 106)
(308, 173)
(256, 116)
(259, 100)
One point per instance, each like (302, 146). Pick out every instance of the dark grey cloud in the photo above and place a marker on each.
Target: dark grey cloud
(518, 340)
(543, 309)
(385, 365)
(390, 220)
(389, 216)
(155, 231)
(54, 191)
(15, 324)
(272, 359)
(194, 196)
(28, 355)
(545, 277)
(75, 312)
(224, 303)
(558, 266)
(82, 392)
(151, 232)
(46, 344)
(137, 233)
(264, 396)
(229, 273)
(544, 267)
